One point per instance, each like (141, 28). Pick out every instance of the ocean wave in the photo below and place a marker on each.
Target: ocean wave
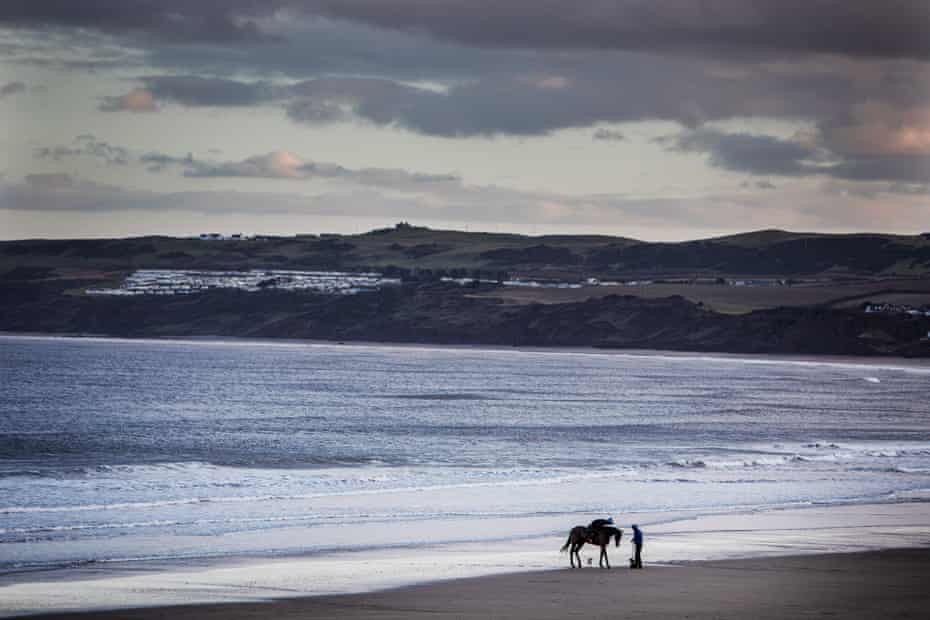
(707, 463)
(439, 396)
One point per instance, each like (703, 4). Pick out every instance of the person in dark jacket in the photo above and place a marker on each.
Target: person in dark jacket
(637, 560)
(599, 523)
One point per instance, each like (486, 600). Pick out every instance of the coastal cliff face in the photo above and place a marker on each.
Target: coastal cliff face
(451, 314)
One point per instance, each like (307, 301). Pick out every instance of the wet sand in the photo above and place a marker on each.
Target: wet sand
(881, 584)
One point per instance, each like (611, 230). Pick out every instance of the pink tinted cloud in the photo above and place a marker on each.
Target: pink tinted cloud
(137, 100)
(881, 129)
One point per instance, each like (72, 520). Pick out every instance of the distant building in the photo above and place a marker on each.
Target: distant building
(222, 237)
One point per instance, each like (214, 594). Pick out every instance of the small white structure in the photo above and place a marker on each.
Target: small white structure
(222, 237)
(184, 282)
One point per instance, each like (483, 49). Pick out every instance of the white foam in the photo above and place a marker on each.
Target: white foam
(721, 536)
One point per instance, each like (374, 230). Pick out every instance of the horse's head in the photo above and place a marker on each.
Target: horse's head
(618, 536)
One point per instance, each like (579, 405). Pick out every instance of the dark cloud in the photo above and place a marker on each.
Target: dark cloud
(86, 146)
(608, 135)
(755, 154)
(899, 168)
(802, 156)
(11, 88)
(888, 29)
(231, 21)
(200, 91)
(854, 70)
(192, 91)
(514, 105)
(896, 28)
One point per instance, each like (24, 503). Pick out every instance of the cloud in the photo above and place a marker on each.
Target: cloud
(137, 100)
(497, 105)
(11, 88)
(898, 168)
(66, 194)
(758, 185)
(59, 192)
(200, 91)
(191, 90)
(157, 162)
(755, 154)
(610, 88)
(826, 26)
(893, 30)
(175, 20)
(286, 165)
(875, 128)
(608, 135)
(896, 29)
(486, 92)
(802, 155)
(276, 165)
(86, 146)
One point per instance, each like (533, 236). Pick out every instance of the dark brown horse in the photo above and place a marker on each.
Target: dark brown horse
(600, 537)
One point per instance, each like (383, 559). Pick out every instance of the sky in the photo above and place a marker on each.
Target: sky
(654, 119)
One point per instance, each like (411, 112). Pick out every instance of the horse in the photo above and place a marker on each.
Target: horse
(600, 537)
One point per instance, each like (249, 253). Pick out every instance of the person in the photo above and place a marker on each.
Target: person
(599, 523)
(637, 560)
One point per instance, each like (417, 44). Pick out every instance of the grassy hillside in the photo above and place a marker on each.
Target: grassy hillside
(740, 299)
(771, 254)
(687, 305)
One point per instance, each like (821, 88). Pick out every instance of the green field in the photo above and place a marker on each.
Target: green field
(739, 299)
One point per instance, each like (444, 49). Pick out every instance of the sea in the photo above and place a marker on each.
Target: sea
(148, 451)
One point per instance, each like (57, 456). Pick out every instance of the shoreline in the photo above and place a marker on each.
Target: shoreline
(859, 360)
(758, 537)
(886, 583)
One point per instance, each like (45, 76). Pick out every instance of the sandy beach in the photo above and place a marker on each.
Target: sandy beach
(883, 584)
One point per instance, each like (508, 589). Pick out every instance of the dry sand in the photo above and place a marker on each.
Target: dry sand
(883, 584)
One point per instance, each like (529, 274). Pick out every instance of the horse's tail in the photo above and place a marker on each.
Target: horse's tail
(567, 544)
(619, 536)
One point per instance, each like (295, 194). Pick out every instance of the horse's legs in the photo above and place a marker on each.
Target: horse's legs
(578, 553)
(606, 559)
(571, 554)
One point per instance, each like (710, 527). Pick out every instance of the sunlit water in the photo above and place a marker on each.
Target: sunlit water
(114, 450)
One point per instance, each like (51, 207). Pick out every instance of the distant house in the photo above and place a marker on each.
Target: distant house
(222, 237)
